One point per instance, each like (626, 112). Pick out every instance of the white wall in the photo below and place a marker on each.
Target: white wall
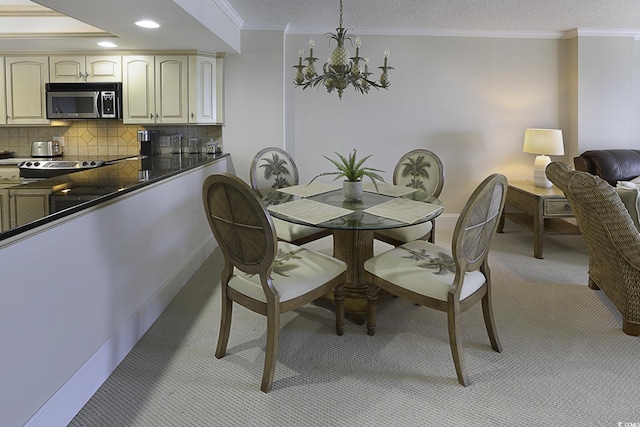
(467, 99)
(607, 78)
(78, 294)
(254, 108)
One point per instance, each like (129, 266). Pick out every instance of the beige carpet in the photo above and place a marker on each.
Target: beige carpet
(565, 360)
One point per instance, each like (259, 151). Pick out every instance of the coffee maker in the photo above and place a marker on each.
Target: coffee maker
(148, 144)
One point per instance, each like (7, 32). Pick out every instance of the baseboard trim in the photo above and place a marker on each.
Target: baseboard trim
(60, 409)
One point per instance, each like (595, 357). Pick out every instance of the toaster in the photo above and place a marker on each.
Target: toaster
(46, 149)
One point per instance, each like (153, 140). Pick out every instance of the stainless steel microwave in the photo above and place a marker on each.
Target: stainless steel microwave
(84, 100)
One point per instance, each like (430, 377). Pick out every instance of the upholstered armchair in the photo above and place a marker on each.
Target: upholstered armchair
(612, 240)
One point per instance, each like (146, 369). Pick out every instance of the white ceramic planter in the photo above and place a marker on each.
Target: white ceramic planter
(352, 190)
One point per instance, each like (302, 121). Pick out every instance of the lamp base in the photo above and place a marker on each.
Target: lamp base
(539, 177)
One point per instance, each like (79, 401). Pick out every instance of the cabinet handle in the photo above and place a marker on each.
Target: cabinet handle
(157, 116)
(151, 116)
(193, 116)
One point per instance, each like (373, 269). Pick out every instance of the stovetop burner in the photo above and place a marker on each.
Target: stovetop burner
(39, 164)
(50, 167)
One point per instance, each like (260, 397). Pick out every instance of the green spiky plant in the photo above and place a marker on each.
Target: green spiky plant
(352, 169)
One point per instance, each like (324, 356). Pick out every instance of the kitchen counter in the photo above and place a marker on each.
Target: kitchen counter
(71, 193)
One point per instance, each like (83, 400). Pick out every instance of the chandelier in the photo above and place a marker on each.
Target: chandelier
(341, 69)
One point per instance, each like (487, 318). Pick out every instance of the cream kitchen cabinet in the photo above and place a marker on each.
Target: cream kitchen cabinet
(25, 78)
(206, 90)
(80, 69)
(27, 204)
(155, 89)
(3, 91)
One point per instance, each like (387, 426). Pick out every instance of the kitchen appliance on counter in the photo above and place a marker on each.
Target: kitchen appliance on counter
(46, 149)
(84, 100)
(148, 144)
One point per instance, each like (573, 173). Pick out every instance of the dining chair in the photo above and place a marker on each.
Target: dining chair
(260, 273)
(420, 169)
(271, 169)
(446, 280)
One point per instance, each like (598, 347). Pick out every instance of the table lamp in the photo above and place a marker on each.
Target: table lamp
(544, 143)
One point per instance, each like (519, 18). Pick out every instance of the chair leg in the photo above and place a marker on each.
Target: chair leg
(489, 322)
(271, 352)
(630, 328)
(453, 319)
(225, 325)
(432, 234)
(372, 304)
(338, 299)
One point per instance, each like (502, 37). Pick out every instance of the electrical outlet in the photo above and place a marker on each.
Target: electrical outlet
(60, 139)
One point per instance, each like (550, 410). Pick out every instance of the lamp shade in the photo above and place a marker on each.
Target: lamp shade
(543, 141)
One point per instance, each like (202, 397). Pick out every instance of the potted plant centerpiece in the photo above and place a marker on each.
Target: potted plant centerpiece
(352, 170)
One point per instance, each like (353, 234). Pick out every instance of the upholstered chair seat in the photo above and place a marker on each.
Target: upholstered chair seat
(424, 269)
(311, 268)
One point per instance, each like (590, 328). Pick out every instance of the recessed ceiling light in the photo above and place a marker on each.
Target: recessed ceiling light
(147, 24)
(107, 44)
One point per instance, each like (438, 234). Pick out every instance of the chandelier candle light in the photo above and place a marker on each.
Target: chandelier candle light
(341, 69)
(544, 143)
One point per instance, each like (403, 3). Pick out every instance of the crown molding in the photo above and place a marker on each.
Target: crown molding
(230, 12)
(605, 32)
(371, 31)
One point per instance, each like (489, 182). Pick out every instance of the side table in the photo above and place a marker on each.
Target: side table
(540, 210)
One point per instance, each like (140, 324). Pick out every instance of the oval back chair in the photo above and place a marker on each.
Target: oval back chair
(451, 281)
(420, 169)
(264, 275)
(273, 168)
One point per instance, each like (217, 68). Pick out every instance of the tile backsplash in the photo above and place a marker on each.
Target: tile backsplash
(96, 137)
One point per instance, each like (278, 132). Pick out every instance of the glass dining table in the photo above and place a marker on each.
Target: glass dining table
(353, 224)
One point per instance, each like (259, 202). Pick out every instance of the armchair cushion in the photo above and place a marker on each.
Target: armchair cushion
(631, 200)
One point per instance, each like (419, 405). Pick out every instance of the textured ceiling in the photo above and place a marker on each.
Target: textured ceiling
(22, 29)
(479, 15)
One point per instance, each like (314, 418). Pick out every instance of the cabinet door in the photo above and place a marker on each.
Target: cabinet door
(138, 86)
(67, 69)
(28, 205)
(3, 95)
(171, 89)
(205, 90)
(104, 68)
(4, 210)
(26, 98)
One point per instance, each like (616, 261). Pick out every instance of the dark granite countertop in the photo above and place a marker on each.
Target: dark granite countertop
(76, 191)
